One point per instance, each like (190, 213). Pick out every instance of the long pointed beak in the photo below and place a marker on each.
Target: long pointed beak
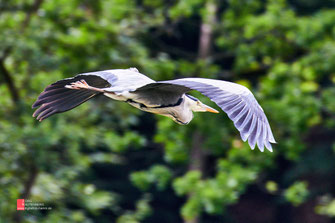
(209, 109)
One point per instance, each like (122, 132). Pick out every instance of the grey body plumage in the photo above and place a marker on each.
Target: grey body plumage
(166, 98)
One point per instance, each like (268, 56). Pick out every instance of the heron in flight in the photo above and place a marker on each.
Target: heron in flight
(166, 98)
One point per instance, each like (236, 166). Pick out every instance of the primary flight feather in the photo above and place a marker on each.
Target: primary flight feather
(166, 98)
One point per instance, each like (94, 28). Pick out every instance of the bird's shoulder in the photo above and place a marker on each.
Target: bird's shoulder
(122, 79)
(221, 84)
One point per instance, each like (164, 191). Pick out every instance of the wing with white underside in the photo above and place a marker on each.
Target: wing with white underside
(238, 102)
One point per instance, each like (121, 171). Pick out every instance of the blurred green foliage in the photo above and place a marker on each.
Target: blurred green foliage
(296, 193)
(326, 206)
(108, 162)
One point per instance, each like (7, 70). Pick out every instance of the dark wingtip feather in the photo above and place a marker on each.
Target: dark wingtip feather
(56, 98)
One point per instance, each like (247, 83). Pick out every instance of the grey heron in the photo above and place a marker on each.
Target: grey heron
(166, 98)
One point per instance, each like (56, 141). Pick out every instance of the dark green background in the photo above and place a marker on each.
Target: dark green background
(106, 161)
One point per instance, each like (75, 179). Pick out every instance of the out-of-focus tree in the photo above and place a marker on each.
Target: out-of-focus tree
(106, 161)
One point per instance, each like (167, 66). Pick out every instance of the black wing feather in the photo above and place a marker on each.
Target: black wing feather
(161, 93)
(56, 98)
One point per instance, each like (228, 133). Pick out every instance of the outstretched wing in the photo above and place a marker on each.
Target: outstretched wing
(234, 99)
(56, 98)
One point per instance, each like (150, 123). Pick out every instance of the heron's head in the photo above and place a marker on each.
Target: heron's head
(198, 106)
